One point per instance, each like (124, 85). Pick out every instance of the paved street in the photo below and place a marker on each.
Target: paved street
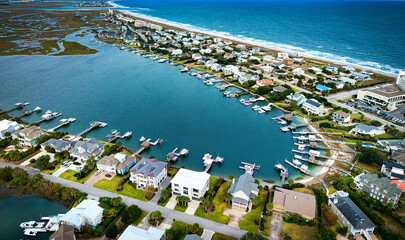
(146, 206)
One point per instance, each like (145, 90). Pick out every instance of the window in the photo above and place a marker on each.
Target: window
(176, 185)
(195, 190)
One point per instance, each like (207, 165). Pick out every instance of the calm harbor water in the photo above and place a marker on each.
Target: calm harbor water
(15, 210)
(155, 100)
(368, 33)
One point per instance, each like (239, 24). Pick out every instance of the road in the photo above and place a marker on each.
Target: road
(146, 206)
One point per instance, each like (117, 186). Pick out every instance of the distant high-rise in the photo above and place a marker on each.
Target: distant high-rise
(401, 79)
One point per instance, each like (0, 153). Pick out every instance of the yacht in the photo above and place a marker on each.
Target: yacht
(227, 93)
(27, 103)
(48, 112)
(142, 139)
(247, 103)
(161, 60)
(192, 73)
(201, 77)
(29, 224)
(256, 107)
(37, 109)
(297, 162)
(114, 131)
(243, 101)
(30, 233)
(186, 69)
(127, 134)
(184, 152)
(261, 111)
(208, 83)
(219, 159)
(266, 108)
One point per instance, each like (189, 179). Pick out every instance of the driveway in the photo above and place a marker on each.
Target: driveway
(95, 178)
(236, 214)
(163, 185)
(207, 234)
(171, 203)
(146, 206)
(276, 224)
(192, 207)
(58, 172)
(165, 224)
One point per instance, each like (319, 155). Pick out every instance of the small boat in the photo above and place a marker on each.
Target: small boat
(161, 60)
(72, 119)
(304, 167)
(114, 131)
(46, 116)
(201, 77)
(266, 108)
(142, 139)
(232, 95)
(247, 103)
(261, 111)
(219, 159)
(297, 162)
(174, 64)
(54, 114)
(256, 107)
(192, 73)
(208, 83)
(186, 69)
(285, 129)
(227, 93)
(183, 152)
(207, 75)
(30, 233)
(242, 101)
(127, 134)
(301, 147)
(48, 112)
(27, 103)
(29, 224)
(37, 109)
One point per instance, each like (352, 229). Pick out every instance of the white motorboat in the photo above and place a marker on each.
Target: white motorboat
(261, 111)
(247, 103)
(127, 134)
(37, 109)
(54, 114)
(242, 101)
(46, 116)
(30, 233)
(162, 60)
(27, 103)
(256, 107)
(232, 95)
(227, 93)
(219, 159)
(174, 64)
(266, 108)
(285, 129)
(142, 139)
(201, 77)
(48, 112)
(297, 162)
(183, 152)
(186, 69)
(114, 131)
(304, 167)
(72, 119)
(301, 147)
(192, 73)
(29, 224)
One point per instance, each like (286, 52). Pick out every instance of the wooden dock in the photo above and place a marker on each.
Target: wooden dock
(209, 161)
(16, 106)
(300, 169)
(93, 125)
(283, 172)
(249, 167)
(48, 119)
(325, 148)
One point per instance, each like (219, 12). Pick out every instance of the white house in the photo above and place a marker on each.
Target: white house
(177, 52)
(282, 55)
(243, 191)
(341, 117)
(298, 97)
(86, 213)
(118, 163)
(312, 106)
(190, 183)
(196, 56)
(268, 58)
(148, 172)
(267, 69)
(135, 233)
(8, 126)
(315, 70)
(298, 71)
(347, 80)
(365, 129)
(332, 68)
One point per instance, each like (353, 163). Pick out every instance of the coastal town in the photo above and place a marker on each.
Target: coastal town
(347, 126)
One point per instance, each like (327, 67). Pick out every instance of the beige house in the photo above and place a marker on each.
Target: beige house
(28, 136)
(294, 202)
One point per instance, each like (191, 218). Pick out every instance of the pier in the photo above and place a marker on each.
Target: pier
(16, 106)
(249, 167)
(293, 126)
(62, 122)
(303, 138)
(314, 146)
(283, 172)
(320, 156)
(93, 125)
(208, 161)
(114, 135)
(173, 155)
(26, 112)
(302, 169)
(48, 118)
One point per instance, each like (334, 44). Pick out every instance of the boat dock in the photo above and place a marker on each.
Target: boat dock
(303, 138)
(249, 167)
(208, 161)
(314, 146)
(302, 169)
(26, 112)
(93, 125)
(173, 155)
(62, 122)
(114, 135)
(48, 118)
(16, 106)
(293, 126)
(283, 172)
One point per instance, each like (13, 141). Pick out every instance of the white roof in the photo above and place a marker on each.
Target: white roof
(191, 178)
(133, 232)
(8, 126)
(87, 208)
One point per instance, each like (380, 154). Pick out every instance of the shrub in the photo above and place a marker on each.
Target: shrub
(33, 160)
(325, 125)
(342, 230)
(99, 230)
(111, 231)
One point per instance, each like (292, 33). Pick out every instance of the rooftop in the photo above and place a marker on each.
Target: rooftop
(192, 178)
(133, 232)
(389, 91)
(295, 202)
(148, 167)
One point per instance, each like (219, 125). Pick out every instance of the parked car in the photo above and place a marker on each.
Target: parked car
(97, 172)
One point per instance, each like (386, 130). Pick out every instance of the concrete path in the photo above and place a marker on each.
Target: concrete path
(163, 186)
(207, 234)
(276, 224)
(192, 207)
(58, 172)
(171, 203)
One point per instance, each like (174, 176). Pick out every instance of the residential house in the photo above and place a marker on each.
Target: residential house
(7, 126)
(267, 69)
(350, 214)
(264, 82)
(83, 150)
(298, 97)
(341, 117)
(315, 70)
(279, 89)
(205, 51)
(228, 55)
(177, 52)
(298, 71)
(193, 237)
(322, 88)
(348, 68)
(148, 172)
(227, 42)
(132, 233)
(190, 183)
(278, 64)
(348, 80)
(332, 68)
(282, 55)
(86, 213)
(196, 56)
(285, 200)
(64, 232)
(243, 191)
(366, 130)
(57, 144)
(280, 72)
(396, 173)
(28, 136)
(118, 163)
(299, 60)
(288, 61)
(378, 188)
(244, 77)
(360, 76)
(312, 106)
(268, 58)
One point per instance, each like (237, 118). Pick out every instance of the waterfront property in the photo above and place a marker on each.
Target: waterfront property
(378, 188)
(83, 150)
(312, 106)
(286, 200)
(65, 232)
(396, 173)
(7, 126)
(118, 163)
(190, 183)
(86, 213)
(148, 172)
(350, 214)
(341, 117)
(132, 232)
(28, 136)
(363, 129)
(57, 144)
(298, 97)
(243, 191)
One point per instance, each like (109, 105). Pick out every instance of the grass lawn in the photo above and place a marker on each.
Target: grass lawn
(68, 175)
(220, 236)
(126, 152)
(220, 206)
(332, 190)
(129, 191)
(369, 167)
(296, 231)
(247, 223)
(199, 68)
(304, 190)
(51, 171)
(393, 223)
(178, 225)
(143, 215)
(180, 208)
(358, 116)
(333, 130)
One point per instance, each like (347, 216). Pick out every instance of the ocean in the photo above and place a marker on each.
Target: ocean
(366, 33)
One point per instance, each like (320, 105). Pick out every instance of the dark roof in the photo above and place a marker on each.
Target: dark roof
(352, 213)
(313, 102)
(65, 232)
(148, 167)
(390, 165)
(192, 237)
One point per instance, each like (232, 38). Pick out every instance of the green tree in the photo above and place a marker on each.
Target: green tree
(290, 181)
(194, 228)
(112, 213)
(372, 155)
(175, 234)
(111, 231)
(43, 162)
(252, 236)
(231, 177)
(155, 218)
(134, 212)
(6, 173)
(125, 217)
(115, 202)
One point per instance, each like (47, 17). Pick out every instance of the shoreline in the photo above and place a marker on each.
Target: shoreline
(253, 42)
